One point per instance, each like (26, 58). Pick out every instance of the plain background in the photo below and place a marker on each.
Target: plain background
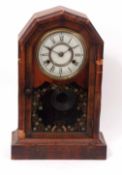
(106, 16)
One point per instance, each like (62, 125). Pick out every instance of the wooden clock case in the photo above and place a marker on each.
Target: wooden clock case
(40, 145)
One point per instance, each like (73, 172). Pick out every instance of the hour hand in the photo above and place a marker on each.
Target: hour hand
(67, 50)
(55, 52)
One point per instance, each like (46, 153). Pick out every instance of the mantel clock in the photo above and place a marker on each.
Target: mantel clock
(60, 72)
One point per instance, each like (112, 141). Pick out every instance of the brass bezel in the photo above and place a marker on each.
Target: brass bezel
(78, 36)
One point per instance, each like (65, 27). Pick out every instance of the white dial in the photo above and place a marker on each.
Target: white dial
(61, 54)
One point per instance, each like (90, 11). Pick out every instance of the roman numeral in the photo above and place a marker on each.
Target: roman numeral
(70, 70)
(52, 68)
(60, 71)
(53, 40)
(61, 37)
(75, 46)
(69, 40)
(78, 54)
(44, 54)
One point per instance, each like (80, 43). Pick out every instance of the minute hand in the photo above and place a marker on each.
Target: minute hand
(50, 49)
(71, 48)
(55, 52)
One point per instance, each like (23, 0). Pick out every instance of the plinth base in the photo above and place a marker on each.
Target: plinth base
(31, 148)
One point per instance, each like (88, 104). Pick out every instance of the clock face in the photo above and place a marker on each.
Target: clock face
(61, 54)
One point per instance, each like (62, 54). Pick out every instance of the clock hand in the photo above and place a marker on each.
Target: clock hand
(60, 54)
(48, 48)
(51, 50)
(67, 50)
(55, 52)
(70, 48)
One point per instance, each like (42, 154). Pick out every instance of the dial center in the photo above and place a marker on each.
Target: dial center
(61, 55)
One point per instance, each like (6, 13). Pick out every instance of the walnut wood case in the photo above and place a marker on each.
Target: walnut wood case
(27, 144)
